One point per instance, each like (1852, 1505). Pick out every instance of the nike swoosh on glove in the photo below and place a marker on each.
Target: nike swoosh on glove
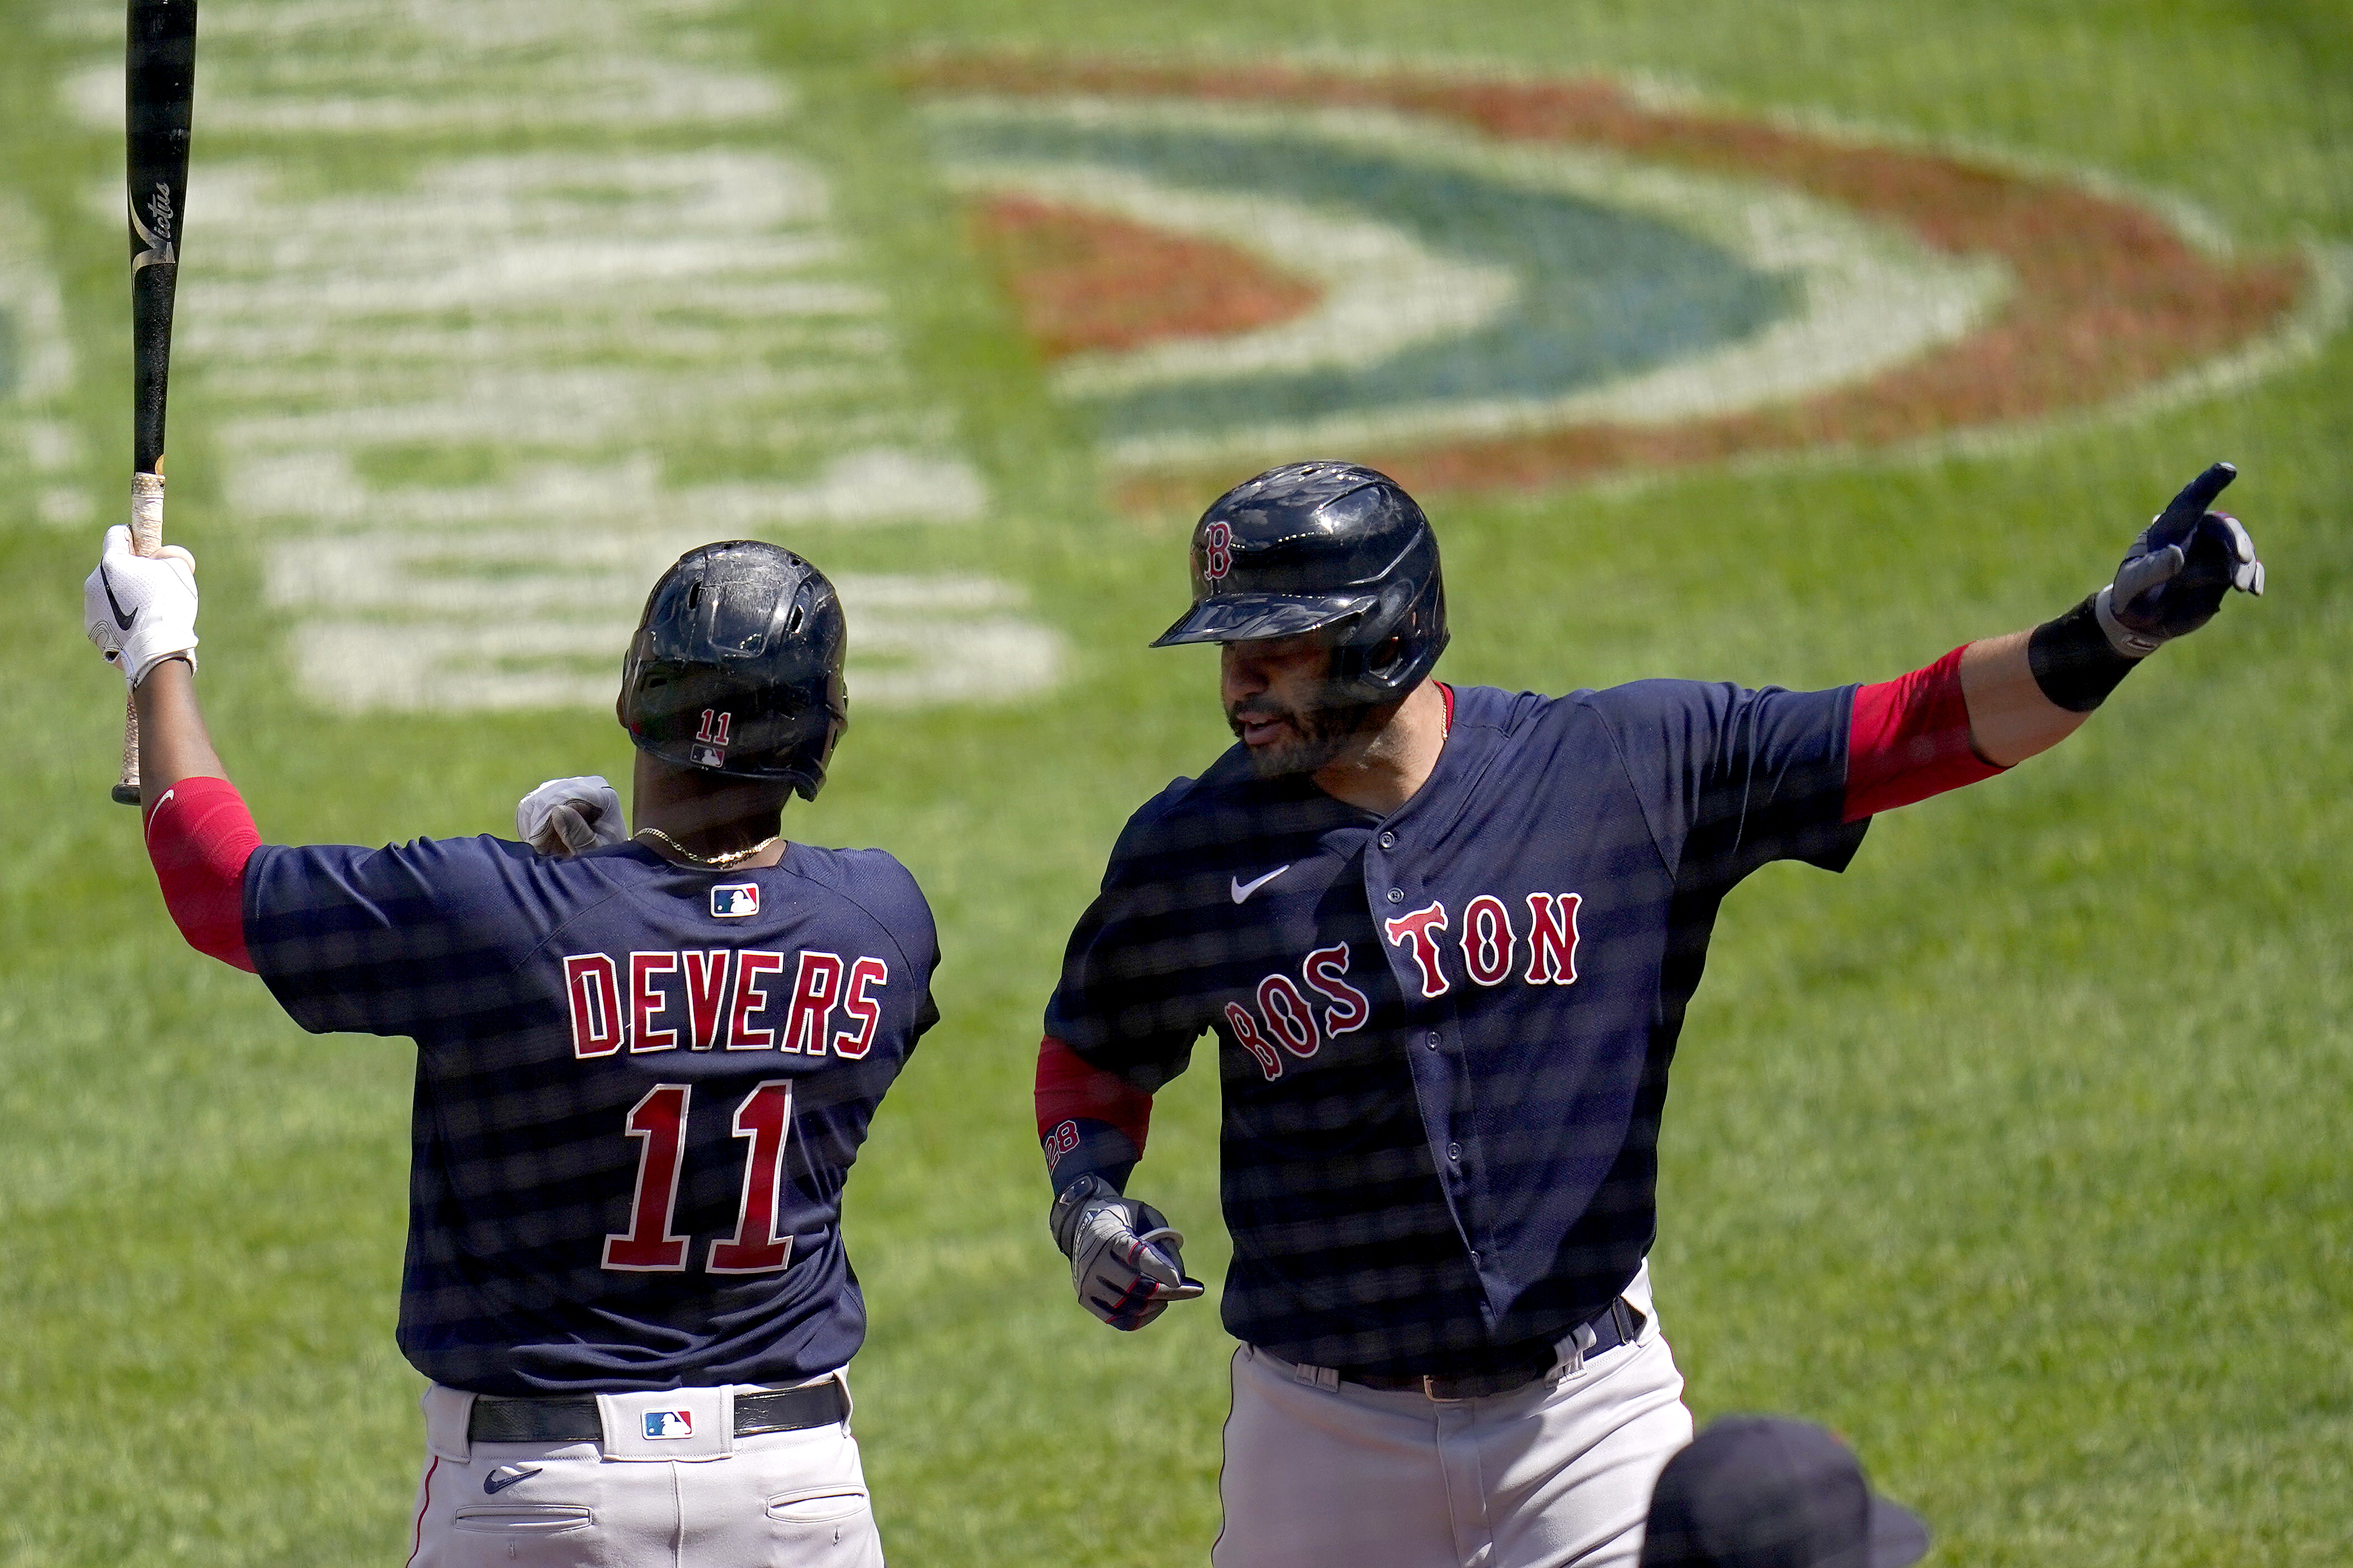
(571, 817)
(2173, 578)
(140, 610)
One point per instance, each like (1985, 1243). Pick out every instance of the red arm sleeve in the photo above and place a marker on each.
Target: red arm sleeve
(1069, 1089)
(200, 835)
(1090, 1122)
(1909, 739)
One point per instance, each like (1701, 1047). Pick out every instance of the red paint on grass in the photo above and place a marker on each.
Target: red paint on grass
(1083, 280)
(2108, 296)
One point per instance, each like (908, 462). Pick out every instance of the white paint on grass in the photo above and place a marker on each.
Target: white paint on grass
(630, 495)
(669, 334)
(472, 68)
(630, 349)
(528, 618)
(38, 372)
(638, 94)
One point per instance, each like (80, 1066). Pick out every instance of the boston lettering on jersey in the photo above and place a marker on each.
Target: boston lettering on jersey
(702, 999)
(1487, 944)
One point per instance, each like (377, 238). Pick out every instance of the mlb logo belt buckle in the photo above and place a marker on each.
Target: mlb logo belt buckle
(668, 1426)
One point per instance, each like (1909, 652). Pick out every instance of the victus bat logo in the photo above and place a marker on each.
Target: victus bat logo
(156, 234)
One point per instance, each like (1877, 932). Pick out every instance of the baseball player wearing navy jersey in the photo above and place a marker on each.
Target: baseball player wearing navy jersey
(643, 1073)
(1445, 939)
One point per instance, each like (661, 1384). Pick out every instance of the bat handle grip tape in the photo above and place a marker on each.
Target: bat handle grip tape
(146, 539)
(146, 514)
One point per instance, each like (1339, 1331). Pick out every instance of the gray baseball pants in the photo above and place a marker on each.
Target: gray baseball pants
(779, 1499)
(1555, 1475)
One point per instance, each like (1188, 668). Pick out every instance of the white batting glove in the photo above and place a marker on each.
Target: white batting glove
(571, 817)
(1124, 1259)
(139, 609)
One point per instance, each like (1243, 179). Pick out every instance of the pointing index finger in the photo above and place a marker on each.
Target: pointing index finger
(2198, 495)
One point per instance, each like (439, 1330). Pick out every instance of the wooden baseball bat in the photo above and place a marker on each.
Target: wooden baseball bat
(159, 99)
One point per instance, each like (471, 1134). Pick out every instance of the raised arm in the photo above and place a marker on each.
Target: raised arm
(141, 612)
(1996, 701)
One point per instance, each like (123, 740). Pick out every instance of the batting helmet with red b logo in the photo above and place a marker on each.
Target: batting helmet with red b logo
(1328, 547)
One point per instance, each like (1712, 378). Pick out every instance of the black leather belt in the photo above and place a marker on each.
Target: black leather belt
(575, 1420)
(1621, 1324)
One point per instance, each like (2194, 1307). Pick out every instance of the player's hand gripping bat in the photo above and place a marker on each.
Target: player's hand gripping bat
(160, 74)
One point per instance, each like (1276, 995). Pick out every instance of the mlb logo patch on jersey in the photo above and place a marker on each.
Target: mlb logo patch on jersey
(733, 901)
(668, 1424)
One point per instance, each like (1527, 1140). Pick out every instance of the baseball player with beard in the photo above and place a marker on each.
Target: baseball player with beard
(643, 1072)
(1445, 939)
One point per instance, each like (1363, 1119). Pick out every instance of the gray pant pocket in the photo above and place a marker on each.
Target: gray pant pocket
(522, 1518)
(817, 1505)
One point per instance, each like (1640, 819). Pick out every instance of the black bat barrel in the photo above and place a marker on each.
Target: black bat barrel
(160, 90)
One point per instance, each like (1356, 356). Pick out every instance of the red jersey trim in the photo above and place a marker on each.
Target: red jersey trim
(199, 836)
(1071, 1090)
(1909, 739)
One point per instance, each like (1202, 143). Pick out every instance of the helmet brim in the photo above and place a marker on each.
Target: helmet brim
(1253, 617)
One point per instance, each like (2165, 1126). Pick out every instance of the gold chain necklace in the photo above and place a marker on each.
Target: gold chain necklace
(708, 862)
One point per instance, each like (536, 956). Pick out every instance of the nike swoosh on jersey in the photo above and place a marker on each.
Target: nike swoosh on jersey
(505, 1476)
(114, 604)
(1244, 889)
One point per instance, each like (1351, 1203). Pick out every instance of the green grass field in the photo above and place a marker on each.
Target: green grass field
(2016, 1154)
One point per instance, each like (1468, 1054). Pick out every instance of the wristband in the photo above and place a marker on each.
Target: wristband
(187, 655)
(2074, 662)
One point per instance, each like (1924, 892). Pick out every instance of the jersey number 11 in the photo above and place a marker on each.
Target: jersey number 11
(659, 1119)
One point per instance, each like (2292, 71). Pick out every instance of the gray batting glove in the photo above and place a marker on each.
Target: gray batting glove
(571, 817)
(2178, 571)
(140, 609)
(1125, 1259)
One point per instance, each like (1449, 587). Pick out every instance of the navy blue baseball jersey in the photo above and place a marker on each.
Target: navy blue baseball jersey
(639, 1089)
(1444, 1034)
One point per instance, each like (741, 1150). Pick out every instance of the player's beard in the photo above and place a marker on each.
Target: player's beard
(1318, 734)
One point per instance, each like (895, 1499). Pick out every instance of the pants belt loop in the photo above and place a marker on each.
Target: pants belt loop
(1324, 1377)
(447, 1414)
(1572, 1349)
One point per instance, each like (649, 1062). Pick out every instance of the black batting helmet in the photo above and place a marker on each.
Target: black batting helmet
(736, 666)
(1325, 547)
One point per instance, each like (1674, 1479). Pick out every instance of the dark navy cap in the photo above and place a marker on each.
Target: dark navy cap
(1765, 1491)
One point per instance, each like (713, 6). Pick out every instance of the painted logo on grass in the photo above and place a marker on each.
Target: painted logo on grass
(1516, 283)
